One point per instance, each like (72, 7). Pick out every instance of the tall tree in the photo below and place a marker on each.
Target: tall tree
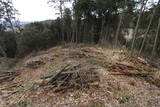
(7, 15)
(67, 17)
(143, 3)
(60, 5)
(120, 23)
(83, 15)
(156, 38)
(2, 52)
(148, 28)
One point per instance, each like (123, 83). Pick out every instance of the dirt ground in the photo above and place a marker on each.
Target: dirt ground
(124, 81)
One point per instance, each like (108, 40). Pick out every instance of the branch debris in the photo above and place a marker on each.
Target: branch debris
(72, 77)
(7, 76)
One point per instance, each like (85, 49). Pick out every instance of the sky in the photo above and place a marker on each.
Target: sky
(34, 10)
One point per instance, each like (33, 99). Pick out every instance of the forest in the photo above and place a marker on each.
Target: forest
(130, 23)
(102, 33)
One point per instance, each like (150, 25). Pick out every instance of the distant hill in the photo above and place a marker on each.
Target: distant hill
(44, 21)
(24, 22)
(47, 21)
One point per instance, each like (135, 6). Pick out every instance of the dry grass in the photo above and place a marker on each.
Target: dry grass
(113, 90)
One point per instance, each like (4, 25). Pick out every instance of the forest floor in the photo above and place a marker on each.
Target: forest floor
(123, 81)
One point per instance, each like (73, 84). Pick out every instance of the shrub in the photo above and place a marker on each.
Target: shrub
(8, 43)
(34, 36)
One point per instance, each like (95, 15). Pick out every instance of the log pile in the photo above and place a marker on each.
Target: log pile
(72, 77)
(138, 61)
(125, 69)
(7, 76)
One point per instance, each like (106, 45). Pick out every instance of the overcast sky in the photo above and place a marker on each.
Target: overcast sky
(34, 10)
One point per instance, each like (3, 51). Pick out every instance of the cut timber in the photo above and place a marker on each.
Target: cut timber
(130, 67)
(124, 69)
(59, 73)
(143, 61)
(72, 77)
(130, 74)
(7, 76)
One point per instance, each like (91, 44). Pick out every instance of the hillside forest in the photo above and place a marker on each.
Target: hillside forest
(96, 53)
(133, 24)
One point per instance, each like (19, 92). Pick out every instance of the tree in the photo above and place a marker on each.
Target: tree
(67, 17)
(8, 44)
(143, 2)
(59, 4)
(119, 24)
(2, 52)
(7, 15)
(60, 7)
(83, 13)
(156, 38)
(35, 36)
(148, 28)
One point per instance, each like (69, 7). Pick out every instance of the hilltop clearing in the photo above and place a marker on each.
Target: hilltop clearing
(80, 76)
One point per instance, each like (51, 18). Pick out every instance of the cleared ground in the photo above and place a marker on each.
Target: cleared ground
(123, 81)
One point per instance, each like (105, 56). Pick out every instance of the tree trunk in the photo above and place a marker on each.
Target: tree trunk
(150, 23)
(61, 15)
(73, 34)
(137, 25)
(118, 30)
(156, 39)
(2, 52)
(119, 26)
(102, 30)
(92, 34)
(77, 26)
